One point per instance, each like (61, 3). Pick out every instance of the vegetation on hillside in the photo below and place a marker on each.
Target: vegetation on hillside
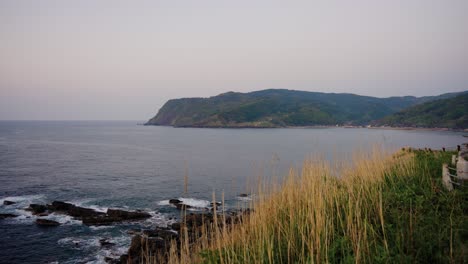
(280, 108)
(446, 113)
(378, 210)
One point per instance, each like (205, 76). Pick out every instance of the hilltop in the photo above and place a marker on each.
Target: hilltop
(282, 108)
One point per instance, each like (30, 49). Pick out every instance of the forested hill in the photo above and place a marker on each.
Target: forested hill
(281, 108)
(446, 113)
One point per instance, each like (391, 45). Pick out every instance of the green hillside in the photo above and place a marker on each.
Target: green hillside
(280, 108)
(442, 113)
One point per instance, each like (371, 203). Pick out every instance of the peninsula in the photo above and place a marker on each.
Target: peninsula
(289, 108)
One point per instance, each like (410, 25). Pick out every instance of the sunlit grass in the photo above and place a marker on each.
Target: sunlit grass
(379, 209)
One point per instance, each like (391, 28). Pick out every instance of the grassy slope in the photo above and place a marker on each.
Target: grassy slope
(450, 113)
(383, 210)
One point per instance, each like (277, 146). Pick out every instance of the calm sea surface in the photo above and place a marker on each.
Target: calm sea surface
(123, 165)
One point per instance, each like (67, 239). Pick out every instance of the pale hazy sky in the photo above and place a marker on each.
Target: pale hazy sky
(113, 59)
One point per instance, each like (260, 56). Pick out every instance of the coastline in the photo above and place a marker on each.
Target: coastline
(321, 127)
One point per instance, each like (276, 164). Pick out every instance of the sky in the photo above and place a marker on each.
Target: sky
(122, 60)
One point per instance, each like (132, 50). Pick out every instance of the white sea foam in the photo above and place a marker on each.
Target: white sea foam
(63, 219)
(92, 243)
(80, 243)
(101, 227)
(164, 202)
(22, 200)
(158, 219)
(198, 203)
(245, 198)
(194, 203)
(87, 203)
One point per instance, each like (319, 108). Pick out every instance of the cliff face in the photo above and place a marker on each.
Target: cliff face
(279, 108)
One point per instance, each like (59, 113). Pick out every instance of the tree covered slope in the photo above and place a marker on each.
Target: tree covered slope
(442, 113)
(279, 108)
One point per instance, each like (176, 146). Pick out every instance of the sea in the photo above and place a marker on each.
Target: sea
(120, 164)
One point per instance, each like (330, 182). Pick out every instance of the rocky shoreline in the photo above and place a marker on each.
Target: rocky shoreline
(156, 241)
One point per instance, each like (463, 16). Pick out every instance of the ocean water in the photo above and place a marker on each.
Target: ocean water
(107, 164)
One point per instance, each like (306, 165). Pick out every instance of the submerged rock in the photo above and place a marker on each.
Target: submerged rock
(6, 202)
(3, 216)
(175, 201)
(182, 206)
(47, 222)
(105, 242)
(215, 203)
(112, 260)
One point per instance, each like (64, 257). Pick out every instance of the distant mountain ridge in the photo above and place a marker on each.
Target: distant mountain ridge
(282, 108)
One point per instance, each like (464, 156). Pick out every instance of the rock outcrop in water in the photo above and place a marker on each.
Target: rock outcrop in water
(37, 208)
(4, 216)
(87, 215)
(47, 222)
(115, 215)
(6, 202)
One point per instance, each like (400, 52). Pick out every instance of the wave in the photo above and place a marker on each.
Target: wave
(158, 219)
(23, 200)
(245, 198)
(92, 245)
(195, 203)
(87, 204)
(198, 203)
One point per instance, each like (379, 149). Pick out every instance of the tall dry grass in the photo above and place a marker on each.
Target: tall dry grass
(323, 213)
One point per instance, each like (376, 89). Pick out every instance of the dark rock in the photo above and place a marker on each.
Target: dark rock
(6, 202)
(37, 208)
(133, 231)
(176, 226)
(193, 220)
(105, 242)
(124, 259)
(150, 245)
(243, 195)
(135, 249)
(126, 215)
(111, 260)
(115, 215)
(175, 201)
(43, 214)
(3, 216)
(46, 222)
(198, 219)
(165, 234)
(60, 206)
(183, 206)
(73, 210)
(215, 203)
(81, 212)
